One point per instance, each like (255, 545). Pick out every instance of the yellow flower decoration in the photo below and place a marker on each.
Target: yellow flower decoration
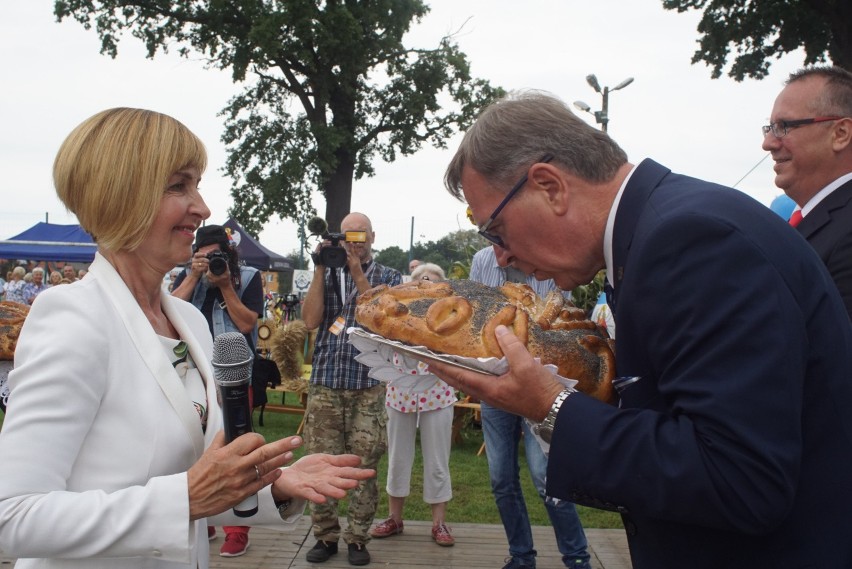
(470, 216)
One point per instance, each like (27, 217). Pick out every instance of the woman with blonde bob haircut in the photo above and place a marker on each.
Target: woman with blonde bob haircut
(117, 162)
(133, 463)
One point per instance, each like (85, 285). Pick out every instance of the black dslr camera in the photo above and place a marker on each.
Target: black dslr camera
(218, 262)
(334, 255)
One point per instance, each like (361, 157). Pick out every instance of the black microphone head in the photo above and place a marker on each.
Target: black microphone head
(232, 359)
(317, 226)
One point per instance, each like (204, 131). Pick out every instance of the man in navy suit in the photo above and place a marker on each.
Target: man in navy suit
(810, 138)
(731, 445)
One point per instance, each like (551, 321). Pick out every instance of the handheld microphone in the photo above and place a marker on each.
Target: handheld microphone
(232, 363)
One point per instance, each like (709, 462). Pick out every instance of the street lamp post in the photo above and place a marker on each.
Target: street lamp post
(601, 116)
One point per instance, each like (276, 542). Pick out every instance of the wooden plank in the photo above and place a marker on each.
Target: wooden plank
(478, 546)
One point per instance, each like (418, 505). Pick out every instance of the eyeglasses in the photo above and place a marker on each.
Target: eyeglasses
(483, 229)
(779, 129)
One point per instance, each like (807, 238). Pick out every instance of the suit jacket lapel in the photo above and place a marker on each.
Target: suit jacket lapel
(199, 356)
(641, 185)
(821, 214)
(150, 349)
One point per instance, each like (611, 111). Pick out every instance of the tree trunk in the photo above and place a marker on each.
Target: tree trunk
(338, 191)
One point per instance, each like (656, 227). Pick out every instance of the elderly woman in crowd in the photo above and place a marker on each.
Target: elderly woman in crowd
(14, 287)
(55, 278)
(113, 450)
(428, 272)
(430, 410)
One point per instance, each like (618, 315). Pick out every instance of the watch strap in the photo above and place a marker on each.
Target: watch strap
(546, 427)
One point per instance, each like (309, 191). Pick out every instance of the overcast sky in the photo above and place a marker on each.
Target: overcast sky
(54, 78)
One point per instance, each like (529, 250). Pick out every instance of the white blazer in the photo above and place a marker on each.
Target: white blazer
(100, 432)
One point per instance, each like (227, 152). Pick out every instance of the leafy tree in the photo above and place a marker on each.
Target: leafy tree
(393, 257)
(332, 88)
(452, 252)
(765, 29)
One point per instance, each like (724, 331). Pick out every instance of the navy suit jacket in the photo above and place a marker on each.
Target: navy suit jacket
(734, 447)
(828, 228)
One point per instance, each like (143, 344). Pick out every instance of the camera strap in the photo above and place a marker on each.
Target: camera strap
(354, 292)
(339, 323)
(334, 277)
(335, 281)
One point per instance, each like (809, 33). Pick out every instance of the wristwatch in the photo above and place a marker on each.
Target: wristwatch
(282, 506)
(545, 428)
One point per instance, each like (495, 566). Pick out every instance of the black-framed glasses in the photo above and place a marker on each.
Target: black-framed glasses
(779, 129)
(483, 229)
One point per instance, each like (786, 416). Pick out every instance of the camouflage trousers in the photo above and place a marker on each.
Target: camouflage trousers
(340, 421)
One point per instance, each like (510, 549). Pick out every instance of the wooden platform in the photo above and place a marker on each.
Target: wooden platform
(477, 546)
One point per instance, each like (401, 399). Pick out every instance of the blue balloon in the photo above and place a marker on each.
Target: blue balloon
(783, 205)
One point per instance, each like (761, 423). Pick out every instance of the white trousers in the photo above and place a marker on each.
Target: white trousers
(436, 429)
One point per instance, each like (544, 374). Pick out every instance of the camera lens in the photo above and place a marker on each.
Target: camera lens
(218, 265)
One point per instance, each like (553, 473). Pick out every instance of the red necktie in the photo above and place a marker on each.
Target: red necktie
(796, 218)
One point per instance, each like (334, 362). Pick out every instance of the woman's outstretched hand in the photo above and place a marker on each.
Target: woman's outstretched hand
(317, 477)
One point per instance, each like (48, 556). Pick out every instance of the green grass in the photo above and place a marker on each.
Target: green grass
(472, 500)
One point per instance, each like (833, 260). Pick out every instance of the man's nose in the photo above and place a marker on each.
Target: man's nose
(504, 257)
(770, 142)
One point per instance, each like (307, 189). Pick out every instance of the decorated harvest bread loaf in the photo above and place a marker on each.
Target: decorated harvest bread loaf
(12, 316)
(459, 317)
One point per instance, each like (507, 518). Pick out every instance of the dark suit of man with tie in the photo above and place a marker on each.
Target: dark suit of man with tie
(732, 443)
(810, 138)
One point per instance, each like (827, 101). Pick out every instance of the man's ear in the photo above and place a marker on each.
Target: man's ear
(842, 135)
(553, 183)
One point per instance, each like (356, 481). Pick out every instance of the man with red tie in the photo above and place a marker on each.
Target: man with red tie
(810, 138)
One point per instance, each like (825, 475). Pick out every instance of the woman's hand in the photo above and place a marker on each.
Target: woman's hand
(225, 475)
(527, 389)
(317, 477)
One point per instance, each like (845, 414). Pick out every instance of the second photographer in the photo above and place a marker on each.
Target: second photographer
(230, 296)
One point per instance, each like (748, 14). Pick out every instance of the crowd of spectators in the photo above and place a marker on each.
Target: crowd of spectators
(23, 286)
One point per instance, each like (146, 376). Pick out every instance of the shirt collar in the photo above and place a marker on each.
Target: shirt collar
(825, 192)
(610, 226)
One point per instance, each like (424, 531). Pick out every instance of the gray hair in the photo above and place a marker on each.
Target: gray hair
(38, 270)
(519, 130)
(836, 97)
(419, 271)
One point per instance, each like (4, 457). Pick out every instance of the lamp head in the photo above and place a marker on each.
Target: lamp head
(582, 106)
(593, 82)
(623, 84)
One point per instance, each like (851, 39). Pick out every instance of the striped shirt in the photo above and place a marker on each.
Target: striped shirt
(334, 364)
(484, 269)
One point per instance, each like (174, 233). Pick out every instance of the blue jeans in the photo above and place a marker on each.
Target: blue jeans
(502, 432)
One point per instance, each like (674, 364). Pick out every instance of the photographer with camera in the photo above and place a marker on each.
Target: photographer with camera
(346, 409)
(230, 296)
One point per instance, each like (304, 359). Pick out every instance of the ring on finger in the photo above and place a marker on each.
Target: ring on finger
(257, 471)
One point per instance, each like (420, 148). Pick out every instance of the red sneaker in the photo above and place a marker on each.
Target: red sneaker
(442, 536)
(387, 528)
(235, 544)
(211, 533)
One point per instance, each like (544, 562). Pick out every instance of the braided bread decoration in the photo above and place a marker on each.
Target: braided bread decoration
(12, 316)
(459, 317)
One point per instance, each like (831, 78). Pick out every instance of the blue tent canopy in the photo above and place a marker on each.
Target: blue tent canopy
(50, 242)
(253, 254)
